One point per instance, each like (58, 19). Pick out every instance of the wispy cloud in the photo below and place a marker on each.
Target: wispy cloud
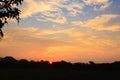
(50, 44)
(54, 10)
(99, 23)
(65, 37)
(98, 4)
(51, 10)
(94, 2)
(103, 7)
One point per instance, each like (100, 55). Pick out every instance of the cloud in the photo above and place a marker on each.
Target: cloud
(56, 11)
(74, 8)
(60, 19)
(57, 37)
(99, 23)
(51, 10)
(56, 44)
(31, 34)
(29, 42)
(33, 7)
(90, 39)
(103, 7)
(94, 2)
(98, 4)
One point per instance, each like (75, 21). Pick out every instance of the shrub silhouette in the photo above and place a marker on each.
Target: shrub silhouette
(10, 62)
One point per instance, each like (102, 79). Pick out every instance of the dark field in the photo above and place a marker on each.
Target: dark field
(57, 74)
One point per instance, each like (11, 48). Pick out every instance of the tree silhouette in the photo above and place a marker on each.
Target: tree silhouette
(8, 10)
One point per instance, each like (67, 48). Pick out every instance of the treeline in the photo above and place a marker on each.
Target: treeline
(10, 62)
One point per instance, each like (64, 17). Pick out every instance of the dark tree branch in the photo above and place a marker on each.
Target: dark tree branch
(8, 10)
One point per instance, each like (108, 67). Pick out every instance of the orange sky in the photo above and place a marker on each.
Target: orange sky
(76, 31)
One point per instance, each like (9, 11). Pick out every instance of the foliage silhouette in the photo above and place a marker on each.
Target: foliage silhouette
(8, 10)
(10, 62)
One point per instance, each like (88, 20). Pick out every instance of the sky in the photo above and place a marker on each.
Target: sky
(70, 30)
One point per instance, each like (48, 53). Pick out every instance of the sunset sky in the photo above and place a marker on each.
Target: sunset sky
(70, 30)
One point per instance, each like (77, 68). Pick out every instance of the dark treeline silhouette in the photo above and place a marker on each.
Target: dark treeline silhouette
(10, 62)
(12, 69)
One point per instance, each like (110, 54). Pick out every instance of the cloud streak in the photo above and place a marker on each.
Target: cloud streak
(99, 23)
(103, 4)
